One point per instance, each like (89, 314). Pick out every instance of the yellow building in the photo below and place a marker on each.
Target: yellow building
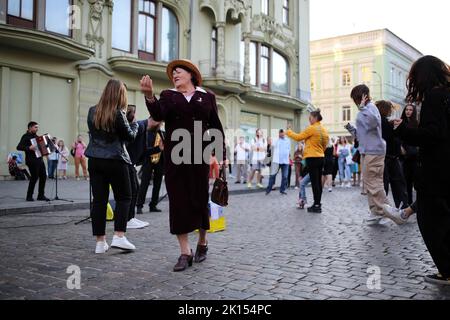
(378, 58)
(57, 55)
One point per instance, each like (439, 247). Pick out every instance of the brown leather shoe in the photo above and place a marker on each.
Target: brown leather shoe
(200, 253)
(183, 262)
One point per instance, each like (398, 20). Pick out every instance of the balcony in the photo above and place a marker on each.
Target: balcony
(43, 42)
(230, 81)
(275, 99)
(155, 69)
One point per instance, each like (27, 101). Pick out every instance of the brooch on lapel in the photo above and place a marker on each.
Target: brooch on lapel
(200, 99)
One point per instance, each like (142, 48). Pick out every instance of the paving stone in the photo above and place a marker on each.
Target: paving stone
(269, 251)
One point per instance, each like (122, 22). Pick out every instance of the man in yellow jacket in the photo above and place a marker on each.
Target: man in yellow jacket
(316, 140)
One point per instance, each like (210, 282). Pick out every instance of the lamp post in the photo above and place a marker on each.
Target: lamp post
(381, 84)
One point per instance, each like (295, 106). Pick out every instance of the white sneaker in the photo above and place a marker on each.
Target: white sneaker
(249, 185)
(122, 243)
(135, 224)
(143, 223)
(101, 247)
(348, 185)
(296, 188)
(373, 219)
(330, 189)
(395, 214)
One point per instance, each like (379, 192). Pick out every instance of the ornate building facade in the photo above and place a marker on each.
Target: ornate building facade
(377, 58)
(57, 55)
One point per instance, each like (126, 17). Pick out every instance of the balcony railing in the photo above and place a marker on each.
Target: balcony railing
(233, 70)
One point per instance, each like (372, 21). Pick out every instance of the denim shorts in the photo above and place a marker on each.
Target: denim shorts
(259, 165)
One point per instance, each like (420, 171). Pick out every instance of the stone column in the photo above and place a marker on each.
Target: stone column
(220, 69)
(247, 59)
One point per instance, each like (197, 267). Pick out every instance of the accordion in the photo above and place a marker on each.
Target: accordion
(44, 145)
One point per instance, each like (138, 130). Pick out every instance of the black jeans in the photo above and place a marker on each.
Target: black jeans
(409, 171)
(433, 218)
(37, 172)
(393, 175)
(103, 173)
(134, 191)
(315, 168)
(335, 167)
(147, 170)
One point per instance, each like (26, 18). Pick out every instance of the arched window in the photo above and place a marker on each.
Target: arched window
(280, 71)
(169, 35)
(264, 68)
(147, 28)
(156, 37)
(21, 13)
(121, 25)
(57, 15)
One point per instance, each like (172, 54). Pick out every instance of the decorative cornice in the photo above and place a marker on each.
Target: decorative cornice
(237, 8)
(274, 31)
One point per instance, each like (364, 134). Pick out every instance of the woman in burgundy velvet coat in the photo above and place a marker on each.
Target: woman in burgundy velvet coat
(185, 107)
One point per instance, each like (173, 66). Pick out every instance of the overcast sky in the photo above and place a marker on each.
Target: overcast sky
(424, 24)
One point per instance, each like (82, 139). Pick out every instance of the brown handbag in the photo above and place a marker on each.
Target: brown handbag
(219, 193)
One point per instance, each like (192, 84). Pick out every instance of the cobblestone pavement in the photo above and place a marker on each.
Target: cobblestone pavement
(270, 250)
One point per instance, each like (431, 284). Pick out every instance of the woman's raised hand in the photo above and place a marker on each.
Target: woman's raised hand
(147, 86)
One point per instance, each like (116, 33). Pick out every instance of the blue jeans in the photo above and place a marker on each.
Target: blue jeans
(284, 175)
(52, 165)
(305, 181)
(345, 173)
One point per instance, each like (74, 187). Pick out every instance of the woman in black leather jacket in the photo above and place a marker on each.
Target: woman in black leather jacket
(429, 84)
(109, 130)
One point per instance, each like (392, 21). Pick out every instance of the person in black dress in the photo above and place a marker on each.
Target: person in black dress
(187, 109)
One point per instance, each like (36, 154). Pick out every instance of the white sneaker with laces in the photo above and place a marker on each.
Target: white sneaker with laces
(395, 214)
(122, 243)
(101, 247)
(135, 224)
(373, 219)
(143, 223)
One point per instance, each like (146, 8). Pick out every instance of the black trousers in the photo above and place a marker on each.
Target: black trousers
(37, 172)
(289, 176)
(147, 170)
(335, 167)
(134, 191)
(315, 168)
(393, 175)
(103, 173)
(433, 218)
(409, 171)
